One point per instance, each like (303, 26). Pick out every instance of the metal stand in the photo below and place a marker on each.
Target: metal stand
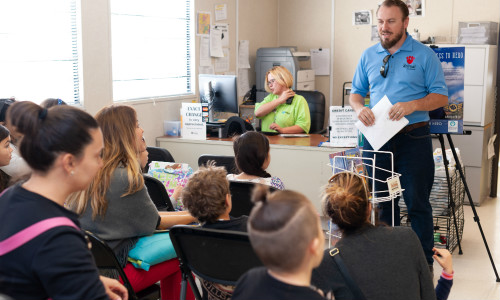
(476, 217)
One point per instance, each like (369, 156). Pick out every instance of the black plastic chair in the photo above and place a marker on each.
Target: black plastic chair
(107, 263)
(241, 196)
(225, 161)
(219, 256)
(316, 102)
(158, 154)
(158, 193)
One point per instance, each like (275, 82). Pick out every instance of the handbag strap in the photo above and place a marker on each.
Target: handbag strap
(27, 234)
(356, 291)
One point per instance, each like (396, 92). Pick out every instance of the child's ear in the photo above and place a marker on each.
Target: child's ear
(229, 203)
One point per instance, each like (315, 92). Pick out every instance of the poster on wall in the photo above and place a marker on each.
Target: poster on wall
(202, 23)
(449, 119)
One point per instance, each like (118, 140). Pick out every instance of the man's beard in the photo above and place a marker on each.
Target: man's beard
(388, 44)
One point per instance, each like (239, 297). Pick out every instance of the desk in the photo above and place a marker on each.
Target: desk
(299, 162)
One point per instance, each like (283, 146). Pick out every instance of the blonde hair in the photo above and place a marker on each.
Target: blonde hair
(281, 75)
(345, 200)
(118, 123)
(281, 226)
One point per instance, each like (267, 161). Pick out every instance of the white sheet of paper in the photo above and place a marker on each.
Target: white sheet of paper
(243, 82)
(220, 12)
(205, 59)
(225, 33)
(320, 61)
(243, 55)
(383, 129)
(222, 63)
(216, 42)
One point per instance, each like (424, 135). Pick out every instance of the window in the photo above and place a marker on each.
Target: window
(39, 53)
(151, 44)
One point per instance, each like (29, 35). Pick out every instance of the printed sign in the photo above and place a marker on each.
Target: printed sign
(449, 119)
(343, 133)
(193, 126)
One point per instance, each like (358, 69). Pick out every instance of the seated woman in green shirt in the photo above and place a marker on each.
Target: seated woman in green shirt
(275, 113)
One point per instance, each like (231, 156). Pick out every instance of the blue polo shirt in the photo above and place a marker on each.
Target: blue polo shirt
(414, 72)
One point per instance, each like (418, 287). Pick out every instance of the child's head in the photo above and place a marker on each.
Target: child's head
(251, 153)
(206, 194)
(49, 102)
(5, 148)
(345, 201)
(284, 230)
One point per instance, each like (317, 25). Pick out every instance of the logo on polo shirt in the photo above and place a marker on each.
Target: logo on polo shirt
(409, 60)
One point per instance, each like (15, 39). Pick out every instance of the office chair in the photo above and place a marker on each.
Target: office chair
(107, 263)
(241, 196)
(219, 256)
(225, 161)
(158, 154)
(316, 102)
(158, 193)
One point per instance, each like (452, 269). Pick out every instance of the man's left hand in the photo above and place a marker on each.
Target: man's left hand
(399, 110)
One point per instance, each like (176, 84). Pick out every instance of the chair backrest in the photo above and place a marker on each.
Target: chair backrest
(225, 161)
(158, 193)
(107, 262)
(316, 102)
(158, 154)
(241, 196)
(219, 256)
(235, 126)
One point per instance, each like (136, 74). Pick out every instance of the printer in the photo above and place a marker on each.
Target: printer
(287, 57)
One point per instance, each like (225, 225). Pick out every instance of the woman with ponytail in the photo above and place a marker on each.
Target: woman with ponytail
(43, 252)
(385, 262)
(252, 157)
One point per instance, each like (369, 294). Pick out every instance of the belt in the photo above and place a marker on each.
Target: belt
(410, 127)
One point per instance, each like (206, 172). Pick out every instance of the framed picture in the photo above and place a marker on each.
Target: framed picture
(362, 17)
(416, 7)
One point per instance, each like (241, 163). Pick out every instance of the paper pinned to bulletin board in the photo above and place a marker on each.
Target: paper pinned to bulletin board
(202, 23)
(320, 61)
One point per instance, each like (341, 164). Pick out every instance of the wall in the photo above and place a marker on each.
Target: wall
(307, 25)
(258, 23)
(268, 23)
(440, 20)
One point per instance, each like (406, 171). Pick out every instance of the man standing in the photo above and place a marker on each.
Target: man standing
(411, 76)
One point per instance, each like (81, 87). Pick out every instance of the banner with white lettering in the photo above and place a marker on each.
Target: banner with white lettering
(343, 133)
(193, 126)
(449, 119)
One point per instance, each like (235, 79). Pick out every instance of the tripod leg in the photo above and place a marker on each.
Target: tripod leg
(451, 201)
(476, 217)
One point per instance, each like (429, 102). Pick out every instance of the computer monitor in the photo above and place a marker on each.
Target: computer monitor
(221, 90)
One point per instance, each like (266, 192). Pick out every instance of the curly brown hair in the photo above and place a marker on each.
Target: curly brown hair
(205, 193)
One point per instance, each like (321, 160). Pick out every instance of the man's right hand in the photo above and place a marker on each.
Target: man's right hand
(366, 116)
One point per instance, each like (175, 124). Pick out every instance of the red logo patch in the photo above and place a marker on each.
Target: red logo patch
(409, 59)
